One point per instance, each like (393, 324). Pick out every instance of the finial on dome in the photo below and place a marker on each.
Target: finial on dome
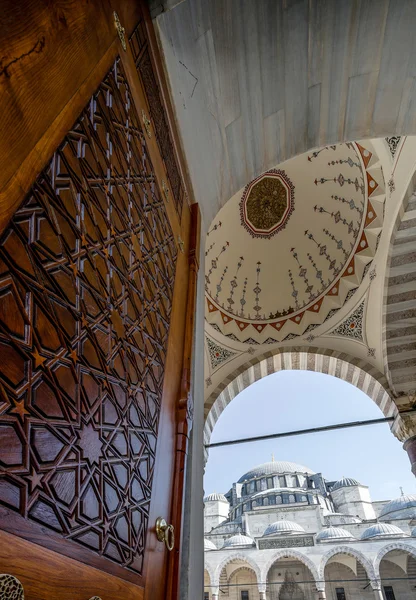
(401, 490)
(272, 457)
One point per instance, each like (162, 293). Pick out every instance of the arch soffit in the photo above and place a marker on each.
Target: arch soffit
(250, 563)
(365, 562)
(411, 550)
(355, 371)
(242, 568)
(210, 572)
(289, 553)
(409, 192)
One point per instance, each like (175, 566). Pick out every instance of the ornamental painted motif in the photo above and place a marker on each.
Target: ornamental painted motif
(267, 204)
(261, 286)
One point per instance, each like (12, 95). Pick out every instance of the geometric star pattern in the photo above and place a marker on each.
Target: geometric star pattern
(87, 268)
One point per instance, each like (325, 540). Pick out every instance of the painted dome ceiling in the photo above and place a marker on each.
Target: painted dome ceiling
(288, 251)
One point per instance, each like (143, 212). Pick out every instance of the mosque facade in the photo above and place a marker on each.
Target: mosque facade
(284, 532)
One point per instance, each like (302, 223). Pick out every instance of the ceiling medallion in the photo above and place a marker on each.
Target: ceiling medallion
(267, 204)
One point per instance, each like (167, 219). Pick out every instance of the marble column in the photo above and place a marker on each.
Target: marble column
(378, 594)
(410, 447)
(321, 595)
(214, 597)
(262, 595)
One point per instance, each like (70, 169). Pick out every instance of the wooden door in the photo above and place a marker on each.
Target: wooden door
(96, 301)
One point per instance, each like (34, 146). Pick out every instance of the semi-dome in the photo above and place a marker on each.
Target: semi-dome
(208, 545)
(238, 540)
(215, 498)
(334, 534)
(283, 528)
(382, 530)
(278, 467)
(403, 507)
(345, 482)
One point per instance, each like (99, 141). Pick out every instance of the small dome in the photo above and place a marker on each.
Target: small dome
(275, 468)
(283, 528)
(400, 508)
(208, 545)
(238, 540)
(332, 534)
(345, 482)
(382, 530)
(215, 498)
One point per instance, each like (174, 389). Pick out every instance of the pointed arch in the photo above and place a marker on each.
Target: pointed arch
(386, 549)
(210, 571)
(355, 371)
(289, 553)
(237, 556)
(241, 568)
(365, 562)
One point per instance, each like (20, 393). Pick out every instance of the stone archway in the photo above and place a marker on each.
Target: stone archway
(239, 556)
(355, 371)
(296, 555)
(365, 562)
(411, 550)
(210, 573)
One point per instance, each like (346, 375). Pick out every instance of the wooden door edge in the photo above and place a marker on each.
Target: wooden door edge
(184, 410)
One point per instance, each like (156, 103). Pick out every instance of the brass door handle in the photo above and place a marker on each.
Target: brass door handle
(165, 533)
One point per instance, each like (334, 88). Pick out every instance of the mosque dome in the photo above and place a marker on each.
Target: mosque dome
(283, 528)
(403, 507)
(345, 482)
(332, 534)
(208, 545)
(236, 541)
(215, 498)
(278, 467)
(382, 530)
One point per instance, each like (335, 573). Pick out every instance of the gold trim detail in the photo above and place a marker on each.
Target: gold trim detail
(121, 31)
(165, 189)
(146, 123)
(10, 588)
(181, 244)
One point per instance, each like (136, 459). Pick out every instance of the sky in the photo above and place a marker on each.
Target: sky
(291, 400)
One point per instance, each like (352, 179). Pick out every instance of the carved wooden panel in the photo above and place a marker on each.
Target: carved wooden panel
(87, 268)
(140, 50)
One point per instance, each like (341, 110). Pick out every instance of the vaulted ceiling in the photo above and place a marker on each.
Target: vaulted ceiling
(265, 93)
(289, 250)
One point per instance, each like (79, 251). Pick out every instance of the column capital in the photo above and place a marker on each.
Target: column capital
(404, 425)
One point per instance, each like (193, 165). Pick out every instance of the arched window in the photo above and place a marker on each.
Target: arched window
(278, 499)
(292, 498)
